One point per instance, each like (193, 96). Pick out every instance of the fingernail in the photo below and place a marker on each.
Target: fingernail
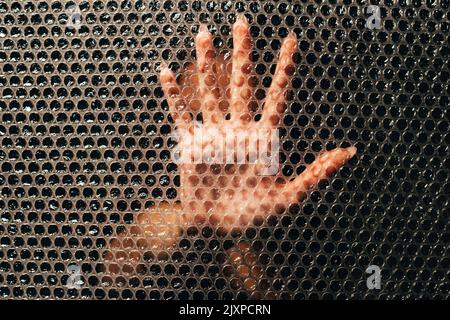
(293, 34)
(352, 151)
(203, 28)
(240, 17)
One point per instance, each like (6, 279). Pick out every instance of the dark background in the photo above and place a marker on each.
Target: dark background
(84, 147)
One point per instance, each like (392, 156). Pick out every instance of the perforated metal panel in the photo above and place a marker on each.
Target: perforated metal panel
(85, 147)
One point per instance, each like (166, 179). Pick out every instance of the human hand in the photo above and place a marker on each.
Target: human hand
(224, 196)
(230, 195)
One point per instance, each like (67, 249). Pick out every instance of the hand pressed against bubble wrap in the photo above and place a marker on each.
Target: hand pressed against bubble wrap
(232, 195)
(226, 195)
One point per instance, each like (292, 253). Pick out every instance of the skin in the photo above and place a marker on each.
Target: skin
(226, 197)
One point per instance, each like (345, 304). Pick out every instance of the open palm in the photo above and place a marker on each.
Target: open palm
(225, 195)
(231, 195)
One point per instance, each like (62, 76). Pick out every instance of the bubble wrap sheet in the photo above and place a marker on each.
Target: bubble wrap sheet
(85, 147)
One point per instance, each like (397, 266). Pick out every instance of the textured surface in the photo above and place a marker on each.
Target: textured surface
(85, 148)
